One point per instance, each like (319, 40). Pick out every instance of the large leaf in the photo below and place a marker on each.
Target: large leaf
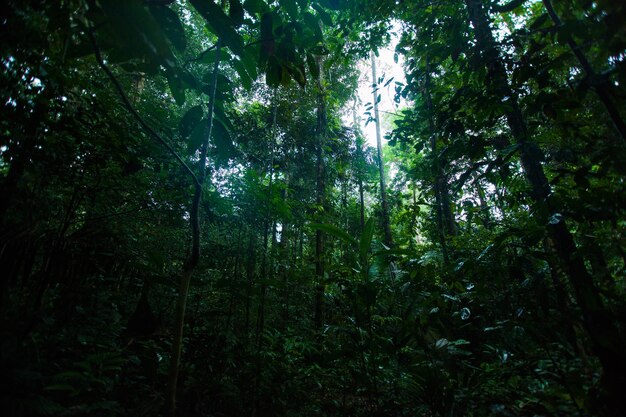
(137, 31)
(235, 12)
(223, 143)
(274, 72)
(312, 23)
(218, 112)
(244, 77)
(171, 25)
(220, 24)
(254, 6)
(177, 86)
(190, 120)
(197, 137)
(290, 7)
(335, 231)
(267, 39)
(365, 242)
(323, 15)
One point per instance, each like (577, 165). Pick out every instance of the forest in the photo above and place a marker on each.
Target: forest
(195, 221)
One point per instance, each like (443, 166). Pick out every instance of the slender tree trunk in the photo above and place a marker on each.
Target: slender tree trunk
(250, 272)
(445, 220)
(388, 239)
(320, 195)
(194, 256)
(360, 164)
(599, 323)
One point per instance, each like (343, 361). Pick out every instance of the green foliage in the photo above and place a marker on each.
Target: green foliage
(474, 312)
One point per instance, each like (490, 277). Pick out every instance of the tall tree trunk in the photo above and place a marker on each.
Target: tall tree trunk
(250, 274)
(388, 239)
(320, 194)
(360, 164)
(194, 256)
(606, 341)
(445, 219)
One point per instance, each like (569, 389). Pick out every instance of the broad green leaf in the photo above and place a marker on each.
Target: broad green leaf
(190, 120)
(60, 387)
(335, 231)
(197, 137)
(171, 25)
(235, 12)
(138, 31)
(224, 85)
(333, 4)
(312, 64)
(267, 39)
(209, 57)
(365, 241)
(250, 63)
(220, 24)
(323, 15)
(254, 6)
(312, 23)
(273, 74)
(223, 143)
(297, 73)
(244, 77)
(177, 87)
(218, 112)
(290, 7)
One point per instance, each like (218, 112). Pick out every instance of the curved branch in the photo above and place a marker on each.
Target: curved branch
(134, 112)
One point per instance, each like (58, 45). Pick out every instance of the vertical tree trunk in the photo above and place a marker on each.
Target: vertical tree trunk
(388, 239)
(194, 256)
(250, 273)
(606, 341)
(360, 164)
(445, 219)
(320, 195)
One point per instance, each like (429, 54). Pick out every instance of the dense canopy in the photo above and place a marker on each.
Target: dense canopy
(193, 221)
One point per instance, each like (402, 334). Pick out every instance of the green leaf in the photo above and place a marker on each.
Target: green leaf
(60, 387)
(313, 25)
(335, 231)
(291, 7)
(365, 241)
(177, 86)
(333, 4)
(250, 63)
(222, 140)
(323, 15)
(190, 120)
(235, 12)
(273, 74)
(254, 6)
(267, 39)
(312, 64)
(220, 24)
(137, 31)
(244, 77)
(218, 112)
(171, 25)
(297, 73)
(197, 137)
(224, 85)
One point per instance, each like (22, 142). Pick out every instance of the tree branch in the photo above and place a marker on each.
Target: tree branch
(134, 112)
